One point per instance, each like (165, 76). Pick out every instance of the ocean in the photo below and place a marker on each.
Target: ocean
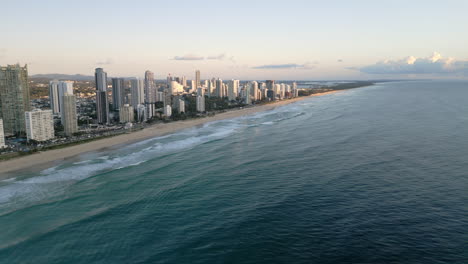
(376, 174)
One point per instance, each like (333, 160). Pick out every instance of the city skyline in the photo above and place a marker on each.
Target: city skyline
(298, 40)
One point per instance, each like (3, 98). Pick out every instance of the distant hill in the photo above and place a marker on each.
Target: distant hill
(71, 77)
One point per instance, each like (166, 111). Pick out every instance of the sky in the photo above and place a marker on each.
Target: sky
(255, 39)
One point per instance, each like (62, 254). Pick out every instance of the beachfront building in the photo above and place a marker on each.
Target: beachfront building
(39, 125)
(247, 93)
(2, 135)
(200, 100)
(68, 115)
(233, 89)
(150, 87)
(57, 89)
(126, 114)
(102, 103)
(118, 93)
(137, 90)
(141, 113)
(181, 107)
(14, 98)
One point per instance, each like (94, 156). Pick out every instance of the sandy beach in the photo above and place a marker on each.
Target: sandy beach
(42, 158)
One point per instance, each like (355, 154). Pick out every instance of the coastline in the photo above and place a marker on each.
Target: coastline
(56, 155)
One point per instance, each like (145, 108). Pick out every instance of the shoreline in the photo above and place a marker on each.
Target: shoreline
(57, 155)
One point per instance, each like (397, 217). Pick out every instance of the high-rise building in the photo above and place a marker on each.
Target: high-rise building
(181, 107)
(247, 93)
(183, 81)
(14, 98)
(137, 89)
(220, 88)
(254, 91)
(68, 114)
(200, 103)
(126, 114)
(270, 84)
(197, 78)
(176, 88)
(141, 113)
(102, 102)
(150, 87)
(193, 86)
(2, 135)
(200, 100)
(233, 89)
(118, 93)
(39, 125)
(57, 89)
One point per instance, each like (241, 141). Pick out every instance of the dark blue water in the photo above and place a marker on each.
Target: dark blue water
(370, 175)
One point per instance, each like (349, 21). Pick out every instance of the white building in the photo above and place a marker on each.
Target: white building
(137, 90)
(193, 86)
(39, 125)
(126, 114)
(254, 91)
(176, 88)
(141, 113)
(200, 103)
(233, 89)
(181, 106)
(168, 111)
(57, 89)
(2, 135)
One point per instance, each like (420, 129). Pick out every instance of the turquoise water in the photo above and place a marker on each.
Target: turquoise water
(369, 175)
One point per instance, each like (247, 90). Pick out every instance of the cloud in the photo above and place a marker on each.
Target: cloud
(284, 66)
(107, 61)
(188, 57)
(191, 57)
(340, 60)
(435, 64)
(218, 57)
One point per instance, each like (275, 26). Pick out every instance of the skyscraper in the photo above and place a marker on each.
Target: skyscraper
(14, 98)
(137, 89)
(197, 78)
(39, 125)
(2, 135)
(200, 100)
(150, 87)
(233, 89)
(247, 96)
(57, 89)
(102, 103)
(270, 84)
(118, 93)
(254, 91)
(220, 88)
(68, 114)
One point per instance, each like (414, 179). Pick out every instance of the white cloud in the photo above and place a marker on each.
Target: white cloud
(188, 57)
(434, 64)
(284, 66)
